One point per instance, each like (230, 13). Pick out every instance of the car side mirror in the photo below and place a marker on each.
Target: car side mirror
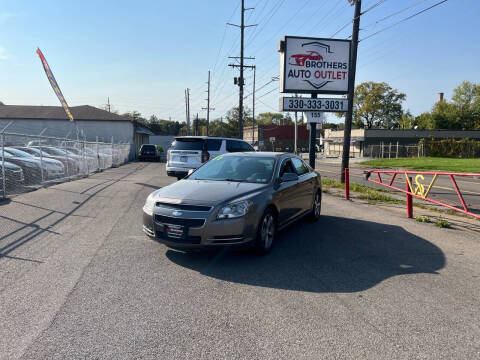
(287, 177)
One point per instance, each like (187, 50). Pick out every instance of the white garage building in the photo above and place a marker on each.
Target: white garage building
(93, 123)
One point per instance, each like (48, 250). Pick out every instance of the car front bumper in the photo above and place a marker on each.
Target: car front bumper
(178, 171)
(214, 233)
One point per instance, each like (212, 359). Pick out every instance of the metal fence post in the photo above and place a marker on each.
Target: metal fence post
(66, 157)
(397, 150)
(98, 156)
(41, 161)
(112, 151)
(3, 166)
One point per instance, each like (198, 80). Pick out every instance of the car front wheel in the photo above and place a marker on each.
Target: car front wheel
(267, 232)
(316, 207)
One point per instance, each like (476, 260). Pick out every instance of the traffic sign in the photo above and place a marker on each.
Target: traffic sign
(317, 105)
(314, 117)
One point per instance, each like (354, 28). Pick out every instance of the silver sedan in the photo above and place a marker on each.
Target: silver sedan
(234, 199)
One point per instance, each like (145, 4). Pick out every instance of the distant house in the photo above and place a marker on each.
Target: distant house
(92, 123)
(276, 137)
(363, 139)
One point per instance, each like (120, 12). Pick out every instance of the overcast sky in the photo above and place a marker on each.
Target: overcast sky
(144, 53)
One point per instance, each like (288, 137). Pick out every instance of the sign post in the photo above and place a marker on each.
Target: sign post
(314, 66)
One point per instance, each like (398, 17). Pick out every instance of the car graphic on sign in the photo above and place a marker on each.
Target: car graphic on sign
(301, 58)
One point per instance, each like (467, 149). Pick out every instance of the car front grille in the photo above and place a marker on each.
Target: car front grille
(179, 221)
(14, 175)
(183, 206)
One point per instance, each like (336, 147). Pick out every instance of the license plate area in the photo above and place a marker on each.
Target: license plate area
(183, 159)
(174, 231)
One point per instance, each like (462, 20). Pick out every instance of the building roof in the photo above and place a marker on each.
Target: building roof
(34, 112)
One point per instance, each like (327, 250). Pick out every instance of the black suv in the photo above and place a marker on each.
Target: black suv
(148, 152)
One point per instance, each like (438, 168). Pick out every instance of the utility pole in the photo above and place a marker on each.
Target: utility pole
(208, 102)
(196, 125)
(187, 109)
(253, 106)
(351, 88)
(108, 104)
(295, 142)
(241, 81)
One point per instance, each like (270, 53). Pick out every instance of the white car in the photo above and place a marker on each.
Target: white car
(190, 152)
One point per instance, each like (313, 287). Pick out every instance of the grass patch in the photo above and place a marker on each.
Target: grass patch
(423, 219)
(442, 223)
(427, 164)
(372, 196)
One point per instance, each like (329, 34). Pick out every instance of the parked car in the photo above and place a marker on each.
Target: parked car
(70, 165)
(52, 169)
(13, 175)
(30, 166)
(91, 161)
(234, 199)
(190, 152)
(79, 165)
(148, 152)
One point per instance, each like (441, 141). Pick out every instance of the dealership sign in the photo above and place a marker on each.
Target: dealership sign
(314, 65)
(318, 104)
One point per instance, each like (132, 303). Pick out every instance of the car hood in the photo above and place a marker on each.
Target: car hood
(24, 160)
(10, 166)
(205, 191)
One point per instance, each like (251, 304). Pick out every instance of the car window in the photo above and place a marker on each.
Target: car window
(236, 168)
(233, 146)
(300, 167)
(246, 146)
(214, 144)
(287, 167)
(187, 144)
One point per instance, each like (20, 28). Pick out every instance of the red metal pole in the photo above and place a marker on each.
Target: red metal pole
(409, 199)
(347, 184)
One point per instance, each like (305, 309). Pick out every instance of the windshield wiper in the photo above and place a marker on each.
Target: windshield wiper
(235, 180)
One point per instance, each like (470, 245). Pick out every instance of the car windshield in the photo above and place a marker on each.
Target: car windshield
(237, 168)
(17, 152)
(53, 151)
(32, 151)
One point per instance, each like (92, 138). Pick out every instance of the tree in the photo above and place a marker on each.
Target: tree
(377, 104)
(270, 118)
(466, 98)
(407, 121)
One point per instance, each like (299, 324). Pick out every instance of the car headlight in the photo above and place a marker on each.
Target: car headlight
(234, 210)
(149, 204)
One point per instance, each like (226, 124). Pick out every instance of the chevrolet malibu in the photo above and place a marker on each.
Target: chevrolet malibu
(234, 199)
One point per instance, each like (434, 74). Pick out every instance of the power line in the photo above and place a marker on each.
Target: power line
(404, 19)
(395, 13)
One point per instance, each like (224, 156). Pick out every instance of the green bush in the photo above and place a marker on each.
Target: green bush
(451, 148)
(160, 148)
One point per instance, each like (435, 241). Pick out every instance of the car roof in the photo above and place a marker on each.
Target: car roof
(207, 137)
(258, 154)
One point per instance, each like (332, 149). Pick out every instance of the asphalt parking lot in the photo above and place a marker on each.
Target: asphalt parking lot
(79, 280)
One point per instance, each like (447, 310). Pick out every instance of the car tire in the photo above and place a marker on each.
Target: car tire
(266, 232)
(316, 207)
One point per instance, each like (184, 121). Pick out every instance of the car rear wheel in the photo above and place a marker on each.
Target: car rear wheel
(267, 232)
(316, 207)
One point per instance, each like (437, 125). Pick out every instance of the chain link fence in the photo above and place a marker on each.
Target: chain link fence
(393, 151)
(29, 161)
